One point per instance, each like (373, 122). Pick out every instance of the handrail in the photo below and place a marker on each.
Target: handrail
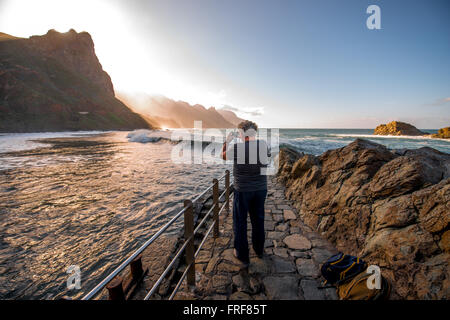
(180, 281)
(161, 277)
(137, 252)
(157, 283)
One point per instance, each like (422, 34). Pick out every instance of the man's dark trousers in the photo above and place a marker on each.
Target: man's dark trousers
(248, 202)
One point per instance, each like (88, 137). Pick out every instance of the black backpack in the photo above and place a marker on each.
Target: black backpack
(342, 267)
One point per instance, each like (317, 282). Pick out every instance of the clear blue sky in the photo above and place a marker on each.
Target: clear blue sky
(295, 63)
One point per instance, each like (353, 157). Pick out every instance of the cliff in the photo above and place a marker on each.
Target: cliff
(389, 207)
(165, 112)
(55, 82)
(397, 128)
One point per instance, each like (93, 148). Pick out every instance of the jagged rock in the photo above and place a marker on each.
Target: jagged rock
(392, 208)
(444, 244)
(393, 213)
(287, 158)
(397, 128)
(298, 242)
(302, 165)
(434, 206)
(409, 173)
(443, 133)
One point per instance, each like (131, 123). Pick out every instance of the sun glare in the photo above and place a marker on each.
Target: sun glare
(132, 62)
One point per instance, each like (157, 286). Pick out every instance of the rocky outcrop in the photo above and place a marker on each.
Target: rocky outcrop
(443, 133)
(397, 128)
(75, 51)
(390, 207)
(55, 82)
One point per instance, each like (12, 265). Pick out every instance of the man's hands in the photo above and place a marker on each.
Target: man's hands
(224, 146)
(230, 137)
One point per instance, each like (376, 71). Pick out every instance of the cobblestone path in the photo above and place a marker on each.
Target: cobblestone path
(289, 269)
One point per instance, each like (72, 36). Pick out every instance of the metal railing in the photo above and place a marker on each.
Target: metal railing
(134, 260)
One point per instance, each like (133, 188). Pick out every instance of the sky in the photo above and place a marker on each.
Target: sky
(286, 64)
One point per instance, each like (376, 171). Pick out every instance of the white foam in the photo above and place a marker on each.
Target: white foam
(146, 136)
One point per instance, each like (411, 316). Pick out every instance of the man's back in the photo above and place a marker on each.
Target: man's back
(249, 158)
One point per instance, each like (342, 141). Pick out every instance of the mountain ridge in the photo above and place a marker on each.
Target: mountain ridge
(166, 112)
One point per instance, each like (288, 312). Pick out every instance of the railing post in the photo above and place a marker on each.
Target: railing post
(115, 289)
(188, 233)
(216, 207)
(227, 191)
(136, 268)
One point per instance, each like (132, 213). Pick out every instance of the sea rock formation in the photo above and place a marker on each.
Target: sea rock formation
(443, 133)
(390, 207)
(55, 82)
(397, 128)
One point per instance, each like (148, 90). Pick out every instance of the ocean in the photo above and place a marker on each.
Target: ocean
(317, 141)
(91, 198)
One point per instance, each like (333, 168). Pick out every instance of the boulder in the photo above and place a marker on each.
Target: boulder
(287, 157)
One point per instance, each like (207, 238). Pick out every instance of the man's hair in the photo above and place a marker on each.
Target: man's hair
(247, 125)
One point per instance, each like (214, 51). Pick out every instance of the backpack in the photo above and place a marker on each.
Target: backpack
(341, 267)
(356, 288)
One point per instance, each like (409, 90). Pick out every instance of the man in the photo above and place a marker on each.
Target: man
(250, 188)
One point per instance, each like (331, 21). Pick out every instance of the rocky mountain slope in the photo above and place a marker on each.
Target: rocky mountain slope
(55, 82)
(390, 207)
(165, 112)
(397, 128)
(230, 116)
